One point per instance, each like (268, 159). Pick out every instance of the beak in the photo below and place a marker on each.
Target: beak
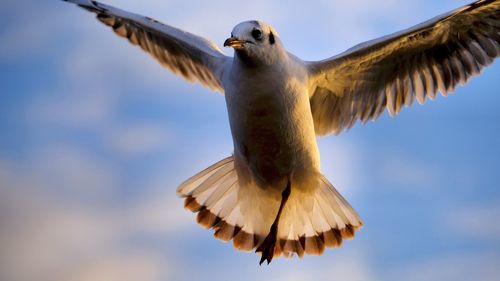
(234, 43)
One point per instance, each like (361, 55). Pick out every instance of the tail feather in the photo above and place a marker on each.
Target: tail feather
(192, 183)
(312, 219)
(240, 214)
(317, 219)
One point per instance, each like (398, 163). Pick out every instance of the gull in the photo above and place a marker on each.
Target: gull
(270, 194)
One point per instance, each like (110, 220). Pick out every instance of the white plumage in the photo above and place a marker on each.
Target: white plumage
(270, 195)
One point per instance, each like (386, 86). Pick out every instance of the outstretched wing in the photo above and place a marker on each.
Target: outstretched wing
(192, 57)
(412, 64)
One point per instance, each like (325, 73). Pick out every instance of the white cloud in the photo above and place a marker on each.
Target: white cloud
(340, 162)
(103, 60)
(348, 268)
(452, 268)
(351, 270)
(137, 139)
(74, 172)
(476, 222)
(47, 233)
(162, 213)
(41, 235)
(123, 267)
(78, 109)
(403, 170)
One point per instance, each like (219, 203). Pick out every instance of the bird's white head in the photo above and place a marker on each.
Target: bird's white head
(255, 41)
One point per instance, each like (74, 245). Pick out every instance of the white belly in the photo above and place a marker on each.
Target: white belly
(272, 129)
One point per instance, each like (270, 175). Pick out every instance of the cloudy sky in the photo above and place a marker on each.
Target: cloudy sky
(95, 137)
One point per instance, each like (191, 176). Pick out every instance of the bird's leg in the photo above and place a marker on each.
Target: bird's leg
(267, 246)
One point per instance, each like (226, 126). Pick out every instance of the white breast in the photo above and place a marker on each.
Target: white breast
(271, 122)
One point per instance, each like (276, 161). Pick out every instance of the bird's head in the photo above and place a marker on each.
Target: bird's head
(256, 41)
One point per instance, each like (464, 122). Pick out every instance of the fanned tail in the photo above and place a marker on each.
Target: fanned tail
(315, 219)
(310, 219)
(240, 213)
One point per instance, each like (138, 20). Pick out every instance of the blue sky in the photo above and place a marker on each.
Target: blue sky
(96, 136)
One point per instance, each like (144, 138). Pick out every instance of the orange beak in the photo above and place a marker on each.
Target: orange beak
(234, 43)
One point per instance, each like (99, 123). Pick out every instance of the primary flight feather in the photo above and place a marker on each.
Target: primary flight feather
(270, 195)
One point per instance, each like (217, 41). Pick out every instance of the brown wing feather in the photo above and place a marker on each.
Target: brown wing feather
(185, 54)
(393, 71)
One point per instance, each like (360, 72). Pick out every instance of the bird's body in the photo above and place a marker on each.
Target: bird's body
(271, 120)
(271, 123)
(270, 195)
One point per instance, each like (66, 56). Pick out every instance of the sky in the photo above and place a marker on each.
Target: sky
(95, 137)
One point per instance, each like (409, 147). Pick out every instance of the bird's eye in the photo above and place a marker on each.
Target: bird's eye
(257, 34)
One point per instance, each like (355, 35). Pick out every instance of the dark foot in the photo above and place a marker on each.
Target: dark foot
(267, 247)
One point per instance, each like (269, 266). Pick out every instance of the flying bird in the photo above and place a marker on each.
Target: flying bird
(270, 194)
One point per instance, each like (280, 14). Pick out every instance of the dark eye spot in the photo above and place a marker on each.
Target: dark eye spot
(257, 34)
(232, 36)
(271, 38)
